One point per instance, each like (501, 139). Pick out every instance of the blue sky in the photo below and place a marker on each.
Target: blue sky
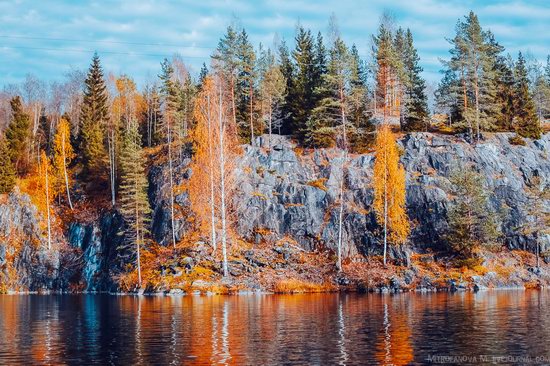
(48, 38)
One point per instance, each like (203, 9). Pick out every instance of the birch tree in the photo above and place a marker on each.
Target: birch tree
(63, 156)
(389, 189)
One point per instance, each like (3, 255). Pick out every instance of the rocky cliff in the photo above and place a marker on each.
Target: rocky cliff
(289, 195)
(286, 193)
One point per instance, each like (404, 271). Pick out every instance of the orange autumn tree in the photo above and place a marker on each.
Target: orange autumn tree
(212, 181)
(202, 190)
(389, 189)
(62, 158)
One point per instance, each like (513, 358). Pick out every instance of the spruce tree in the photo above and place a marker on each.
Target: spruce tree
(246, 88)
(504, 98)
(303, 99)
(526, 122)
(94, 116)
(361, 127)
(227, 65)
(135, 206)
(415, 103)
(18, 134)
(287, 69)
(7, 170)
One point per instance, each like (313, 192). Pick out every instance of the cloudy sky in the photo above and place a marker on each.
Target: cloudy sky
(48, 38)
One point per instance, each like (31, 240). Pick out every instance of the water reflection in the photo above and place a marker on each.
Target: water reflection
(343, 329)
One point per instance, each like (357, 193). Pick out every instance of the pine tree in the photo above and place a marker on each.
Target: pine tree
(272, 89)
(170, 103)
(17, 135)
(387, 92)
(415, 103)
(389, 189)
(472, 76)
(133, 192)
(526, 122)
(7, 170)
(94, 116)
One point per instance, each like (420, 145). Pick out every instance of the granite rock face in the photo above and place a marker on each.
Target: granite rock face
(286, 194)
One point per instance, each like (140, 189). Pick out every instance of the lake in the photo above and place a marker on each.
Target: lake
(308, 329)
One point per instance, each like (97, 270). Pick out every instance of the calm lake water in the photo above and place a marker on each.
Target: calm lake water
(311, 329)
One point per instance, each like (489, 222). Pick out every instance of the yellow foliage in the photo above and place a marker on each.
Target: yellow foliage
(389, 187)
(318, 183)
(63, 155)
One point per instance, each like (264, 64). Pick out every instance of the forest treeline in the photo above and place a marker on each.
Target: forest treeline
(86, 136)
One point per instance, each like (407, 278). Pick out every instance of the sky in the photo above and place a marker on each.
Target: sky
(50, 38)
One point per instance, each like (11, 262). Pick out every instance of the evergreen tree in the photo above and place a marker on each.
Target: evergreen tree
(415, 103)
(361, 128)
(505, 93)
(471, 220)
(227, 65)
(472, 75)
(133, 192)
(7, 170)
(448, 97)
(526, 122)
(387, 102)
(169, 93)
(287, 69)
(331, 111)
(303, 100)
(246, 88)
(18, 134)
(202, 75)
(320, 68)
(94, 116)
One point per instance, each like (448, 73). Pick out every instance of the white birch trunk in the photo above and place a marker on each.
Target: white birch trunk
(222, 186)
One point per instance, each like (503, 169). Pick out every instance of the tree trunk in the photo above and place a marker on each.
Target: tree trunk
(171, 179)
(65, 172)
(211, 168)
(270, 121)
(48, 207)
(222, 188)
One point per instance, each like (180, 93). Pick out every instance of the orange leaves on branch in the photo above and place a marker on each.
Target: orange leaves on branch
(389, 187)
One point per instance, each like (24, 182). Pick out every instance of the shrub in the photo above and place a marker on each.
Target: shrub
(517, 140)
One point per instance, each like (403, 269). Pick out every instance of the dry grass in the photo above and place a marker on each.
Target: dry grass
(292, 286)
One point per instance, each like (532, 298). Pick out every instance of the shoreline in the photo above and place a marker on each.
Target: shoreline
(380, 291)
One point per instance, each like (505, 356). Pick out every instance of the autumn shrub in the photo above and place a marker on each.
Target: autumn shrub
(517, 140)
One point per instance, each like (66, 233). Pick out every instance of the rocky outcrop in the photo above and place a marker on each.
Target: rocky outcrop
(285, 194)
(25, 262)
(289, 198)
